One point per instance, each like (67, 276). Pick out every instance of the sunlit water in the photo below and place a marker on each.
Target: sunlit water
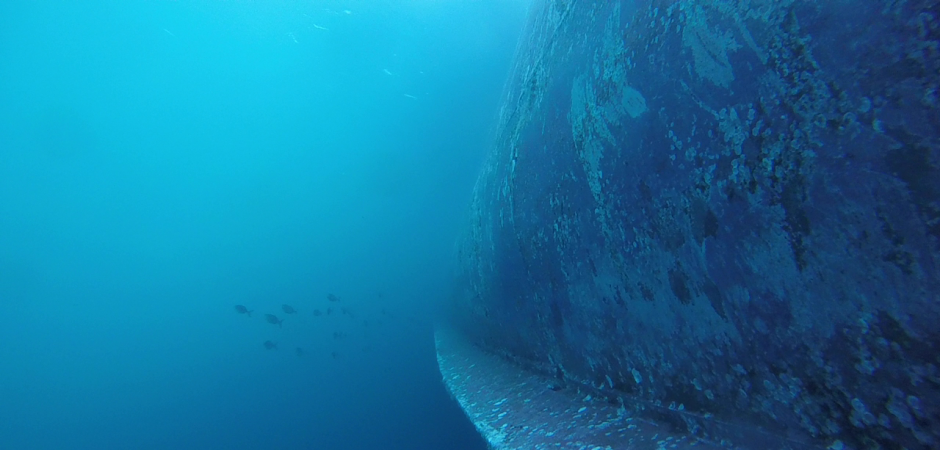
(164, 161)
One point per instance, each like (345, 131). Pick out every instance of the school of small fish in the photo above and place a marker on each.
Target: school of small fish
(347, 325)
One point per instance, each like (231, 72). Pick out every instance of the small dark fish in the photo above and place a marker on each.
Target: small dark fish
(347, 312)
(268, 345)
(288, 309)
(338, 335)
(241, 309)
(329, 311)
(317, 312)
(334, 355)
(272, 319)
(332, 298)
(299, 351)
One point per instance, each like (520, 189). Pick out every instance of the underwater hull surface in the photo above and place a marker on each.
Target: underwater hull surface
(722, 215)
(515, 408)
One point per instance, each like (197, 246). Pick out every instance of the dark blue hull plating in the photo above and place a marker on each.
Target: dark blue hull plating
(721, 215)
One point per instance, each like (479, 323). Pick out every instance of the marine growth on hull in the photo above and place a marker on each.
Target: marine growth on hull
(711, 225)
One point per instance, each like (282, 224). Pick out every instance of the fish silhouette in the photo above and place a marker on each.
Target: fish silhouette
(299, 351)
(332, 298)
(272, 319)
(288, 309)
(268, 345)
(241, 309)
(317, 312)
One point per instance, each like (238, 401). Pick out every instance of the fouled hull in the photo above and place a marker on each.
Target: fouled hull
(722, 217)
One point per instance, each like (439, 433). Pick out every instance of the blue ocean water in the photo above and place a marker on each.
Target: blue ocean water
(164, 161)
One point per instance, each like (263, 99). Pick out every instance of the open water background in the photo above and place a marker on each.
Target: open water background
(163, 161)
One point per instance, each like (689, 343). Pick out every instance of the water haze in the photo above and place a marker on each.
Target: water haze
(164, 161)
